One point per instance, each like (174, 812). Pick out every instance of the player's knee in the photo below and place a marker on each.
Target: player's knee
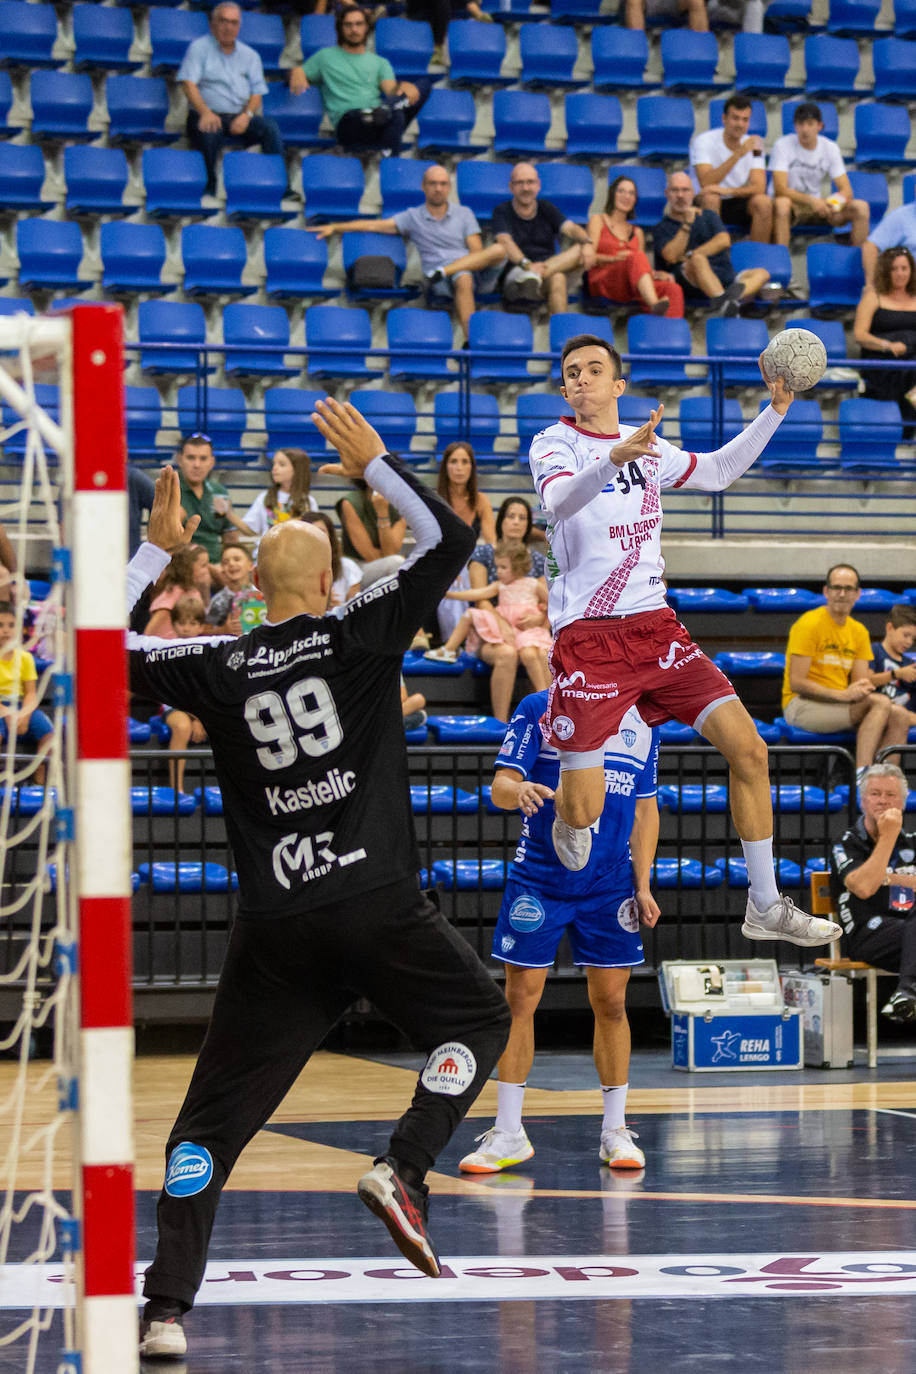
(523, 1000)
(580, 812)
(609, 1005)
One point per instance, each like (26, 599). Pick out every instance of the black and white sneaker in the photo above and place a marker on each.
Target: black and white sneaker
(404, 1210)
(900, 1008)
(163, 1339)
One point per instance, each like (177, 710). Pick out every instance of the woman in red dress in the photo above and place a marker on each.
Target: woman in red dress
(622, 271)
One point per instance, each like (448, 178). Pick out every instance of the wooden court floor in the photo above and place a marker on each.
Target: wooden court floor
(773, 1228)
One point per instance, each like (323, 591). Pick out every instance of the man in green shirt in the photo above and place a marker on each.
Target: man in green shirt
(362, 97)
(205, 496)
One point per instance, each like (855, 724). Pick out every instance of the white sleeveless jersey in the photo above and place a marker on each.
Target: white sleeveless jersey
(606, 559)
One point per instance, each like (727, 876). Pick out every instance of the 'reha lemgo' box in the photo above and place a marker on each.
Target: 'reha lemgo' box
(729, 1015)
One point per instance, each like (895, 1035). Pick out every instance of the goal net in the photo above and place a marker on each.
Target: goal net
(66, 1040)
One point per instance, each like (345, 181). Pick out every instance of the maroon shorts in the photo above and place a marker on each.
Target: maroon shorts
(601, 668)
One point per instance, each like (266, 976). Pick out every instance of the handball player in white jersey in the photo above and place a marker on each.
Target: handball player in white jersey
(617, 643)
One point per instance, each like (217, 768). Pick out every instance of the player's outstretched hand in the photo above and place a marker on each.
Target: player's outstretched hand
(780, 395)
(640, 443)
(531, 797)
(648, 908)
(167, 527)
(352, 435)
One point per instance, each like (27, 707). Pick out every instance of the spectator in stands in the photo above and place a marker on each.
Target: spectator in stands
(800, 163)
(346, 575)
(892, 672)
(288, 497)
(827, 685)
(413, 706)
(186, 729)
(896, 230)
(885, 327)
(188, 618)
(19, 709)
(372, 531)
(669, 12)
(529, 228)
(140, 492)
(185, 575)
(730, 166)
(458, 485)
(513, 521)
(622, 271)
(223, 80)
(873, 880)
(237, 570)
(204, 495)
(439, 14)
(368, 106)
(447, 238)
(697, 245)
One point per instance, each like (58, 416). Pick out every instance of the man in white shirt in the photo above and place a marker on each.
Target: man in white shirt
(730, 166)
(617, 643)
(799, 164)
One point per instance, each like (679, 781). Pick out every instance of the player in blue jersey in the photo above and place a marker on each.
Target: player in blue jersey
(601, 906)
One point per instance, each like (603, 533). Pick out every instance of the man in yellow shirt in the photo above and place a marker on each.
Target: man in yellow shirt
(827, 685)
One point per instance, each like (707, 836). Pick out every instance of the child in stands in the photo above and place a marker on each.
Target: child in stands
(19, 713)
(893, 671)
(237, 568)
(287, 498)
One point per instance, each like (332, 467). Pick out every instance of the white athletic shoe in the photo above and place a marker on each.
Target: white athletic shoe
(784, 921)
(572, 846)
(165, 1339)
(618, 1150)
(498, 1150)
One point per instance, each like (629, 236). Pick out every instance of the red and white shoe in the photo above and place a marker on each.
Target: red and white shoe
(404, 1211)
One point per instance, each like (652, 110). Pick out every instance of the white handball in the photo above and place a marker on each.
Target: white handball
(797, 356)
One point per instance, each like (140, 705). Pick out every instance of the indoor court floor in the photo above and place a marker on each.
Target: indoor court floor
(773, 1229)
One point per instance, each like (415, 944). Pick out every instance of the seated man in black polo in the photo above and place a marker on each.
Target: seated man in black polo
(528, 228)
(695, 245)
(873, 882)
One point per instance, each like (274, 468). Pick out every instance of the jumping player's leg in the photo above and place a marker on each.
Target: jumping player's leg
(607, 989)
(578, 802)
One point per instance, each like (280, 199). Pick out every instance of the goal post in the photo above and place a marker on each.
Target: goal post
(75, 970)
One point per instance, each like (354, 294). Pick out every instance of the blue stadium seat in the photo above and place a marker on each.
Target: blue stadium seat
(476, 52)
(793, 734)
(548, 55)
(693, 798)
(570, 187)
(577, 12)
(773, 256)
(171, 31)
(336, 326)
(650, 189)
(762, 63)
(264, 33)
(245, 325)
(161, 801)
(905, 18)
(255, 185)
(298, 117)
(61, 101)
(332, 186)
(709, 600)
(755, 663)
(758, 124)
(479, 424)
(427, 331)
(133, 256)
(650, 335)
(27, 34)
(619, 57)
(400, 181)
(873, 188)
(295, 262)
(287, 416)
(469, 875)
(869, 434)
(357, 244)
(833, 337)
(788, 15)
(137, 109)
(210, 800)
(7, 130)
(482, 185)
(567, 325)
(512, 11)
(634, 410)
(46, 396)
(103, 36)
(513, 339)
(593, 124)
(12, 305)
(689, 61)
(226, 418)
(22, 175)
(665, 126)
(392, 413)
(214, 259)
(441, 800)
(876, 599)
(696, 423)
(882, 134)
(181, 325)
(829, 115)
(415, 665)
(175, 180)
(445, 122)
(794, 445)
(835, 277)
(788, 873)
(316, 31)
(96, 180)
(143, 414)
(857, 17)
(534, 411)
(831, 65)
(797, 600)
(138, 732)
(50, 253)
(467, 729)
(769, 733)
(187, 876)
(894, 62)
(521, 121)
(407, 44)
(672, 872)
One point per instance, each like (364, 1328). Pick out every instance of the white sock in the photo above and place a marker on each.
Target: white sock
(758, 855)
(615, 1107)
(509, 1099)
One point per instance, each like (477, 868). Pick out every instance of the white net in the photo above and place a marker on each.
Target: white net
(38, 1014)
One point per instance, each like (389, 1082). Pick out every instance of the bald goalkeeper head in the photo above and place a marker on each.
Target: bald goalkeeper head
(294, 570)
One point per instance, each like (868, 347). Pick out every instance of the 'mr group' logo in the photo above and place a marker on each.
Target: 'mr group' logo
(450, 1069)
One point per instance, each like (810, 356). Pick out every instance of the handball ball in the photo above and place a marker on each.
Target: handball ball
(796, 355)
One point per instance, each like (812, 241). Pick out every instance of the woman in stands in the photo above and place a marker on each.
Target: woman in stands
(186, 575)
(885, 327)
(458, 486)
(287, 498)
(346, 575)
(623, 272)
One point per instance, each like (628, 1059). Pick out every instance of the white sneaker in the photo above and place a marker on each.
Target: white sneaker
(573, 846)
(784, 921)
(498, 1150)
(165, 1339)
(618, 1150)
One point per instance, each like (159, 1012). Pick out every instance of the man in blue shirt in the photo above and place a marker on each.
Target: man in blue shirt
(223, 80)
(600, 906)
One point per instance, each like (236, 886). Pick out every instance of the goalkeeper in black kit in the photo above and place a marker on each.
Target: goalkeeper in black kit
(304, 718)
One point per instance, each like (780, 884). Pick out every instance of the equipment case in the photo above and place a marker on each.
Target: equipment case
(729, 1015)
(825, 1003)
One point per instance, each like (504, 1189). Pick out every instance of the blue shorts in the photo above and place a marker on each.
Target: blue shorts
(39, 726)
(603, 930)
